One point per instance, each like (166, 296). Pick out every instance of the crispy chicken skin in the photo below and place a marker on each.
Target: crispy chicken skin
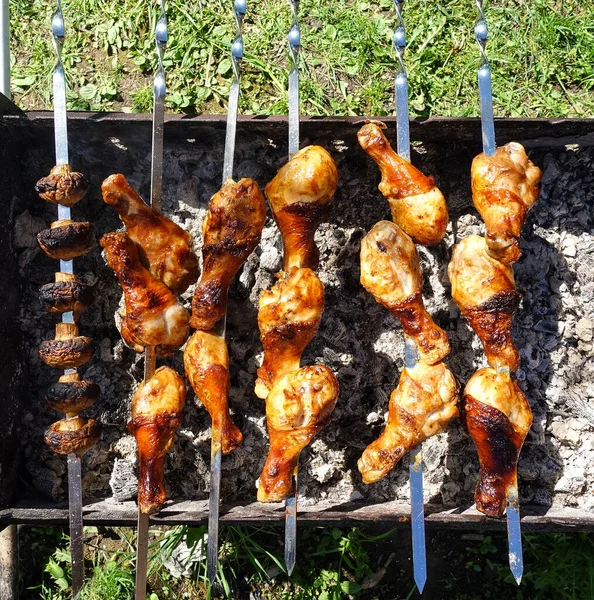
(421, 406)
(485, 291)
(299, 196)
(391, 273)
(299, 406)
(154, 316)
(498, 418)
(156, 414)
(165, 248)
(504, 188)
(206, 361)
(288, 317)
(417, 205)
(231, 230)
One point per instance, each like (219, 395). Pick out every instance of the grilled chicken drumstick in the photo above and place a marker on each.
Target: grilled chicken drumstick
(156, 414)
(420, 407)
(165, 248)
(230, 232)
(289, 316)
(299, 196)
(298, 406)
(504, 189)
(417, 205)
(391, 272)
(206, 361)
(498, 419)
(154, 316)
(485, 290)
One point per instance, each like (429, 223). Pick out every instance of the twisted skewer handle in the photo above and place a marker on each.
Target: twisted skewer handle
(484, 82)
(294, 38)
(59, 85)
(236, 58)
(401, 85)
(159, 90)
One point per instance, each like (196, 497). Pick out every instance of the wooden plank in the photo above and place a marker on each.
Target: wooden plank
(108, 512)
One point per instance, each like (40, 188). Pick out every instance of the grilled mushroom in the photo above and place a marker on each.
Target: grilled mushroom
(67, 293)
(68, 349)
(66, 239)
(62, 186)
(70, 395)
(72, 435)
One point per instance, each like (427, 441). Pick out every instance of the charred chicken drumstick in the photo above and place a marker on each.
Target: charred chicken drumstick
(289, 317)
(421, 406)
(156, 414)
(504, 189)
(165, 248)
(417, 205)
(230, 232)
(498, 419)
(154, 316)
(391, 272)
(299, 196)
(298, 406)
(206, 361)
(485, 290)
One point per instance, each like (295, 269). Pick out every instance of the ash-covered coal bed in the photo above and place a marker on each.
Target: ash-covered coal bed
(358, 338)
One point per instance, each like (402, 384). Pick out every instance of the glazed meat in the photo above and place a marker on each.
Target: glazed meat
(298, 406)
(498, 418)
(165, 248)
(289, 316)
(417, 205)
(231, 230)
(485, 291)
(421, 406)
(156, 415)
(504, 188)
(299, 196)
(154, 316)
(206, 361)
(391, 272)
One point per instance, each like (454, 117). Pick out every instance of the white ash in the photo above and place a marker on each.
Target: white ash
(358, 338)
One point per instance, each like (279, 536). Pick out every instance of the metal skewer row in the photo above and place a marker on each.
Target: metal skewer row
(514, 534)
(294, 38)
(411, 354)
(216, 452)
(159, 90)
(61, 143)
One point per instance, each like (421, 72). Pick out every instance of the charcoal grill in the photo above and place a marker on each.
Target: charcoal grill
(105, 143)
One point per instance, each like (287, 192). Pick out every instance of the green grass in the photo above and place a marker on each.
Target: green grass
(333, 564)
(542, 55)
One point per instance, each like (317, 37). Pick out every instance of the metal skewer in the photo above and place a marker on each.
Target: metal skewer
(514, 532)
(212, 557)
(294, 38)
(411, 356)
(61, 143)
(159, 89)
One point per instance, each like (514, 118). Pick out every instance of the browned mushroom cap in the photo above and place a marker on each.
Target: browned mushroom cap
(66, 239)
(62, 186)
(67, 349)
(71, 397)
(72, 435)
(67, 293)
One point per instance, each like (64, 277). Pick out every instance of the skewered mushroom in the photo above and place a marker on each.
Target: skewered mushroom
(62, 186)
(67, 349)
(65, 294)
(66, 239)
(70, 395)
(72, 435)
